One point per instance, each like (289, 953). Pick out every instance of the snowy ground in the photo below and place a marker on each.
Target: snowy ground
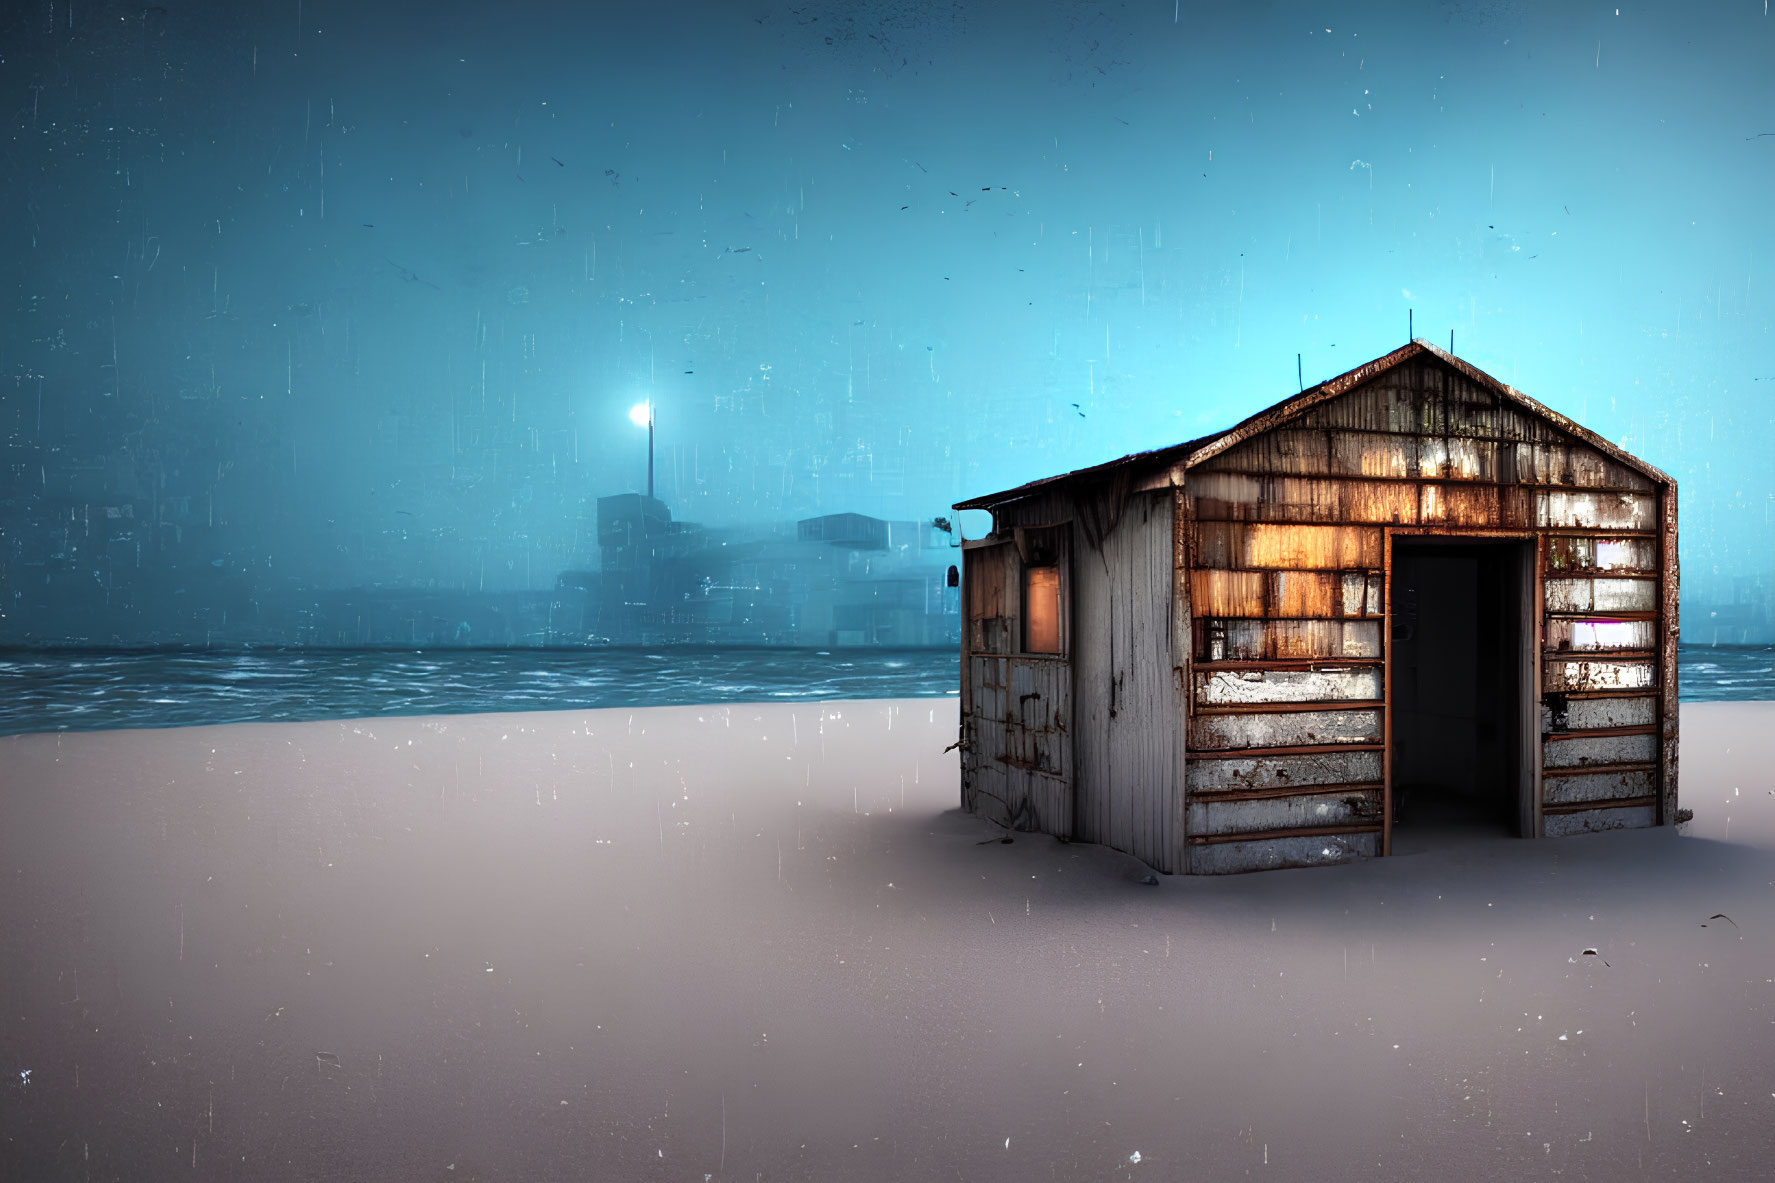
(747, 943)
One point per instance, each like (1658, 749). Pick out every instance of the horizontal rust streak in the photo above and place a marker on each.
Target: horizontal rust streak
(1317, 749)
(1642, 692)
(1587, 806)
(1199, 795)
(1264, 835)
(1599, 769)
(1321, 664)
(1279, 708)
(1579, 656)
(1604, 617)
(1644, 729)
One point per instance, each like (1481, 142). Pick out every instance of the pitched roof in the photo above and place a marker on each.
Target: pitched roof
(1195, 451)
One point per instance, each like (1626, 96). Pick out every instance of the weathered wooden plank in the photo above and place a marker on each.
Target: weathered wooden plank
(1268, 854)
(1275, 729)
(1220, 639)
(1576, 752)
(1590, 821)
(1214, 687)
(1346, 807)
(1593, 553)
(1585, 635)
(1566, 787)
(1598, 675)
(1597, 510)
(1274, 545)
(1600, 594)
(1266, 772)
(1560, 713)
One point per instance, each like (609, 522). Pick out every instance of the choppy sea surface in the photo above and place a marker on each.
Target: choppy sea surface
(93, 691)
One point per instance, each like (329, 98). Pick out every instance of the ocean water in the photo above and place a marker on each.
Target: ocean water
(91, 691)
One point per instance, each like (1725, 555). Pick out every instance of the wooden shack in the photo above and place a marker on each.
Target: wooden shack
(1409, 595)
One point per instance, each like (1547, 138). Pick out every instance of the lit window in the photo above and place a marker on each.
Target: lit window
(1041, 599)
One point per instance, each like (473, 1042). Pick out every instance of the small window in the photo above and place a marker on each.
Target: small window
(1041, 602)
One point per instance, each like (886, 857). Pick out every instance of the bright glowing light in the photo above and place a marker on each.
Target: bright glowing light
(641, 414)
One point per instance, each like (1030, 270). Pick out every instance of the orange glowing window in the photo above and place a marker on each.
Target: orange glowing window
(1041, 604)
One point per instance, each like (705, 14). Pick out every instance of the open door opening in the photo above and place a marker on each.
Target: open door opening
(1462, 682)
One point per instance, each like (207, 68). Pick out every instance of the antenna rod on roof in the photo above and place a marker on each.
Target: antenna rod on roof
(1451, 340)
(1300, 381)
(1410, 331)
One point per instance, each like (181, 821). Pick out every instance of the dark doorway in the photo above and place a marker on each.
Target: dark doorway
(1462, 674)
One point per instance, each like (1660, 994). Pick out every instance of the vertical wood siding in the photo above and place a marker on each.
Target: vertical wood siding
(1128, 704)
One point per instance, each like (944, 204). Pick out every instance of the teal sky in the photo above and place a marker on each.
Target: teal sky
(409, 265)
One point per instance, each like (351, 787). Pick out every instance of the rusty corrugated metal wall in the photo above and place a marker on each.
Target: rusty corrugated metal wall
(1287, 560)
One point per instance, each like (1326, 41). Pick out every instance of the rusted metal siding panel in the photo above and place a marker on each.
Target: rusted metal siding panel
(1574, 465)
(1282, 771)
(1279, 729)
(1591, 821)
(1582, 509)
(1590, 553)
(1285, 594)
(1594, 634)
(1019, 749)
(1220, 496)
(1602, 595)
(993, 596)
(1346, 807)
(1577, 750)
(1219, 639)
(1559, 714)
(1464, 456)
(1599, 675)
(1325, 595)
(1474, 506)
(1220, 687)
(1129, 704)
(1270, 854)
(1267, 545)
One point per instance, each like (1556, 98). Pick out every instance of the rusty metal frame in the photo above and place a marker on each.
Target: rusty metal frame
(1387, 693)
(1289, 708)
(1529, 730)
(1183, 658)
(1612, 803)
(1669, 705)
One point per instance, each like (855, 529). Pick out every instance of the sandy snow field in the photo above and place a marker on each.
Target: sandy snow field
(761, 943)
